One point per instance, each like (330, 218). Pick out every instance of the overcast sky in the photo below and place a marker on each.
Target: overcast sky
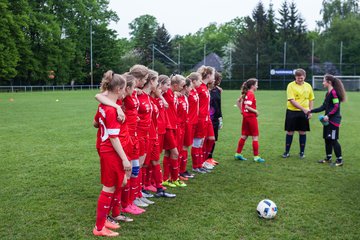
(188, 16)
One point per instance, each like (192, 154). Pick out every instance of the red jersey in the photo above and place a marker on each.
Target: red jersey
(204, 101)
(98, 134)
(182, 110)
(153, 132)
(193, 106)
(131, 105)
(171, 99)
(124, 133)
(109, 127)
(144, 112)
(161, 120)
(250, 101)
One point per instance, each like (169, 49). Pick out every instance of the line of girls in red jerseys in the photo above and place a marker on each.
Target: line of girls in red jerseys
(141, 114)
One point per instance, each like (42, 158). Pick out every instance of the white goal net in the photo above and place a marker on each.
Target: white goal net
(351, 83)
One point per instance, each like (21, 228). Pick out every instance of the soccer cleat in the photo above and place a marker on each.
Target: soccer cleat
(146, 194)
(162, 193)
(207, 166)
(150, 188)
(168, 184)
(285, 155)
(105, 232)
(131, 210)
(140, 203)
(183, 177)
(137, 208)
(205, 170)
(147, 201)
(325, 161)
(188, 175)
(258, 159)
(111, 224)
(239, 156)
(338, 164)
(211, 161)
(123, 218)
(179, 183)
(197, 170)
(301, 155)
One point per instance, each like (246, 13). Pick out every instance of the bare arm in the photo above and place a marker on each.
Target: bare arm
(95, 124)
(297, 105)
(102, 98)
(252, 110)
(120, 151)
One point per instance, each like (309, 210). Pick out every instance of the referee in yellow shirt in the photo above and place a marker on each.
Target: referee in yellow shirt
(300, 98)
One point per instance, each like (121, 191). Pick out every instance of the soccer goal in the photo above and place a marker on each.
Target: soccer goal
(351, 83)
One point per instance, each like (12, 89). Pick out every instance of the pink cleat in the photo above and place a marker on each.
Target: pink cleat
(105, 232)
(131, 210)
(150, 188)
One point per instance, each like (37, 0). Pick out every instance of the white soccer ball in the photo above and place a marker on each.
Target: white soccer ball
(266, 209)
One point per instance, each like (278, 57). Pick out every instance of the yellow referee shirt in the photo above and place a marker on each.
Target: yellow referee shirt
(302, 94)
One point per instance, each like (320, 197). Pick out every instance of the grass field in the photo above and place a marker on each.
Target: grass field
(49, 177)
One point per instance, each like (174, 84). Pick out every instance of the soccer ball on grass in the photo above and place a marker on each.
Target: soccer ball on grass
(266, 209)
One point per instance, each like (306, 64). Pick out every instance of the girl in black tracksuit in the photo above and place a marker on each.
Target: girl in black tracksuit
(215, 107)
(331, 105)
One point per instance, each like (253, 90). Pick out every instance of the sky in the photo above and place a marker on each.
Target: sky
(188, 16)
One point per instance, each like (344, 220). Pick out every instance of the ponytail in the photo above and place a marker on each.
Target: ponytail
(111, 80)
(337, 85)
(246, 86)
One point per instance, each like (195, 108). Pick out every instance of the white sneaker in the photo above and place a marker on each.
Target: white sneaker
(147, 201)
(123, 218)
(146, 194)
(140, 203)
(208, 166)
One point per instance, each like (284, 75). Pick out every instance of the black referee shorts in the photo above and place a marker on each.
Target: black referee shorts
(296, 121)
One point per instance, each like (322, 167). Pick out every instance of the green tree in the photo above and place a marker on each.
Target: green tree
(10, 30)
(143, 31)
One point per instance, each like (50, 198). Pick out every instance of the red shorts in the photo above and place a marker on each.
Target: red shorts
(189, 135)
(201, 129)
(250, 127)
(180, 132)
(209, 129)
(153, 153)
(161, 141)
(169, 139)
(143, 145)
(133, 148)
(111, 169)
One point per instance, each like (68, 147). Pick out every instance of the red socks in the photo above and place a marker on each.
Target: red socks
(166, 168)
(125, 195)
(174, 169)
(103, 208)
(241, 144)
(184, 159)
(115, 203)
(134, 189)
(157, 175)
(255, 145)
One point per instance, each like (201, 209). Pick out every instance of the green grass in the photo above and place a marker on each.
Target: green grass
(49, 177)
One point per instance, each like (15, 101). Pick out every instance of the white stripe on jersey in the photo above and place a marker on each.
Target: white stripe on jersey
(113, 131)
(247, 102)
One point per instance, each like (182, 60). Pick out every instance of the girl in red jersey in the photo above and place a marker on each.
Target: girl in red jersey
(184, 138)
(153, 153)
(143, 127)
(247, 105)
(113, 159)
(130, 106)
(204, 127)
(193, 100)
(171, 155)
